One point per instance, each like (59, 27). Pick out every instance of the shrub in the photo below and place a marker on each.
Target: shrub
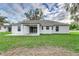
(77, 28)
(73, 26)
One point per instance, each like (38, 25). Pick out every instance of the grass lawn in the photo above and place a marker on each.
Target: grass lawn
(67, 41)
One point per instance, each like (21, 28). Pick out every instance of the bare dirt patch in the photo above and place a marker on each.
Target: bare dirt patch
(45, 51)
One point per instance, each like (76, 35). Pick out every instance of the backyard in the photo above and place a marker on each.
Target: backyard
(67, 41)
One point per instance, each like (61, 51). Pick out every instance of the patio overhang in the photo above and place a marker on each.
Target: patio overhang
(33, 28)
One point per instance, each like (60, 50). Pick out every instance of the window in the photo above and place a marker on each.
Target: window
(47, 27)
(42, 27)
(19, 28)
(57, 28)
(4, 26)
(52, 27)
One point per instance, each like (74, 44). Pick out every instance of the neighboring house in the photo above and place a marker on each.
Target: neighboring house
(37, 27)
(4, 27)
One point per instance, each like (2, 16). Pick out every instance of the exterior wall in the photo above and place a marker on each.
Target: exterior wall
(38, 29)
(62, 29)
(15, 30)
(3, 29)
(25, 30)
(44, 31)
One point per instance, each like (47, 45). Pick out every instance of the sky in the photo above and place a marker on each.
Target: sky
(15, 11)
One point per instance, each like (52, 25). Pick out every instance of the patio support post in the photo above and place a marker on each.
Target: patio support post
(38, 29)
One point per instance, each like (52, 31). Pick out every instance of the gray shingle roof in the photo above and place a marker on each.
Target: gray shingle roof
(44, 22)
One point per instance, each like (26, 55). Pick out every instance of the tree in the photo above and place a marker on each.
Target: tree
(2, 19)
(73, 10)
(73, 26)
(36, 14)
(29, 14)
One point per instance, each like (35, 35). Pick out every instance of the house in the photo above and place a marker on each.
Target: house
(4, 27)
(37, 27)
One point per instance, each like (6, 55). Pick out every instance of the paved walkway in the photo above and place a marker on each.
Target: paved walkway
(45, 51)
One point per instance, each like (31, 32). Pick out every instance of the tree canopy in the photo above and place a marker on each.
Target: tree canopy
(2, 19)
(73, 9)
(36, 14)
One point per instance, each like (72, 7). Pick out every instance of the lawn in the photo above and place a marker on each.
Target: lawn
(68, 41)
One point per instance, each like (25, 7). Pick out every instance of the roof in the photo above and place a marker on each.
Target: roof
(4, 24)
(43, 22)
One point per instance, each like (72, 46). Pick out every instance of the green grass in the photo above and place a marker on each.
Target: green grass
(4, 33)
(67, 41)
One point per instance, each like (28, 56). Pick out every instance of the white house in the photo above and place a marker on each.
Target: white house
(37, 27)
(4, 27)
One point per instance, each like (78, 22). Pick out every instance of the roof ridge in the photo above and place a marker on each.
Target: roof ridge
(43, 22)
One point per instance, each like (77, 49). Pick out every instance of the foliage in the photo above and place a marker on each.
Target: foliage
(73, 9)
(76, 18)
(2, 19)
(73, 26)
(36, 14)
(77, 27)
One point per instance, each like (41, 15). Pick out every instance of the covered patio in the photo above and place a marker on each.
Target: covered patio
(33, 29)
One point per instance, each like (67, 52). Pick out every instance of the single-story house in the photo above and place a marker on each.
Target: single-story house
(37, 27)
(4, 27)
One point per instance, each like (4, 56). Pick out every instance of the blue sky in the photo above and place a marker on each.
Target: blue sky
(15, 11)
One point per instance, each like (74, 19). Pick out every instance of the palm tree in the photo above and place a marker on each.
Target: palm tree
(73, 10)
(36, 14)
(2, 19)
(29, 14)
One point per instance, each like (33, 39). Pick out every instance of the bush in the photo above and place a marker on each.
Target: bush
(74, 26)
(77, 28)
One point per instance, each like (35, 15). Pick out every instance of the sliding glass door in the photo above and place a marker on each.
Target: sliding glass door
(33, 29)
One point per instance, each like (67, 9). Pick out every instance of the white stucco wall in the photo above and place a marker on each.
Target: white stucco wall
(62, 29)
(15, 30)
(3, 29)
(25, 30)
(44, 31)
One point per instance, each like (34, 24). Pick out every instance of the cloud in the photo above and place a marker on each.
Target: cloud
(3, 13)
(36, 5)
(16, 10)
(57, 13)
(7, 8)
